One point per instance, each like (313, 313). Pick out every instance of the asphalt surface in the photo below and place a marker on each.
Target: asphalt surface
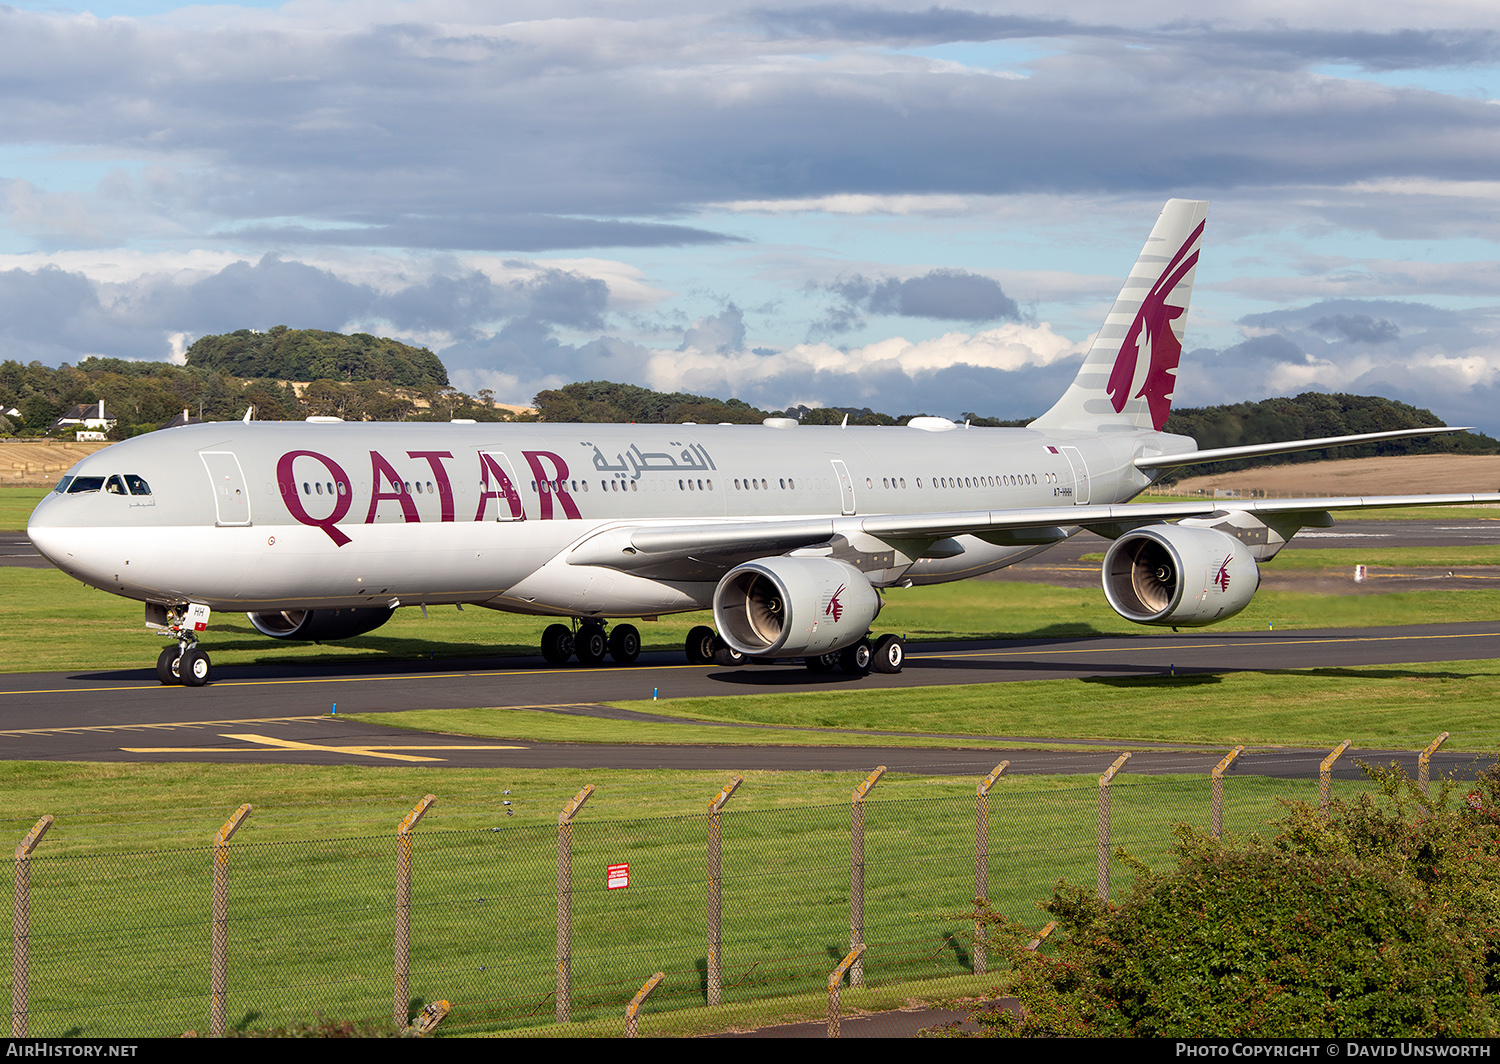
(279, 713)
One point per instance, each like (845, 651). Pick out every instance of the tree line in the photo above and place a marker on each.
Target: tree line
(365, 378)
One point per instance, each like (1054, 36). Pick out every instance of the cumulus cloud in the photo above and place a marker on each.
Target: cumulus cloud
(574, 131)
(943, 294)
(1443, 359)
(380, 166)
(55, 314)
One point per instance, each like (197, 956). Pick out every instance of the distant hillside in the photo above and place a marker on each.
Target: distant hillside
(606, 401)
(312, 354)
(1313, 415)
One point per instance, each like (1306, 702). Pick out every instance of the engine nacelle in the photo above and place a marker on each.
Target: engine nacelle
(1184, 577)
(320, 626)
(794, 607)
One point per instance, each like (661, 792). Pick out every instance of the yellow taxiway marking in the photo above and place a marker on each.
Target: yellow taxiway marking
(156, 725)
(264, 741)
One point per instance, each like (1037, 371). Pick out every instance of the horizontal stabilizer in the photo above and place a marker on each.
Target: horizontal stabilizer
(1255, 450)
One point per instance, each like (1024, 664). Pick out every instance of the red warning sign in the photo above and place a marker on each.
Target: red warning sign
(616, 876)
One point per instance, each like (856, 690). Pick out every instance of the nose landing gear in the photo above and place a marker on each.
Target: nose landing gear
(186, 663)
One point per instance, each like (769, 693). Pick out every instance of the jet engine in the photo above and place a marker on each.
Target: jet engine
(1184, 577)
(320, 626)
(794, 607)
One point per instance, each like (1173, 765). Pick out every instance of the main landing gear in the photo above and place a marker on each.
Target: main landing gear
(590, 643)
(886, 654)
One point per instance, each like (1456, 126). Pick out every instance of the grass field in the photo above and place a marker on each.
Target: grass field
(121, 884)
(54, 623)
(1398, 706)
(121, 887)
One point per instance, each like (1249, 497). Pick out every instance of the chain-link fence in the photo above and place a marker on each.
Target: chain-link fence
(520, 925)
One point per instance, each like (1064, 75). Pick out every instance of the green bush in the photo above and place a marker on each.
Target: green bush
(1377, 920)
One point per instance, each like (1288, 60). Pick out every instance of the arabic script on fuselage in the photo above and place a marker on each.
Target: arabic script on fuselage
(688, 458)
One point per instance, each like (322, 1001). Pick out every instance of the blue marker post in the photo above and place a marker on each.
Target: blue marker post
(335, 709)
(653, 694)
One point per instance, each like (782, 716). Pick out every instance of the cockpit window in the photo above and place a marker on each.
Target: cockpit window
(62, 485)
(82, 484)
(137, 485)
(115, 486)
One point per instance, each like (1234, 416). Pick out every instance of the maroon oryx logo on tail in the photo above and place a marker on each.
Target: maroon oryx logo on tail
(1159, 345)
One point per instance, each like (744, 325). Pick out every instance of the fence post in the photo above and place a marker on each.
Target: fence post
(20, 958)
(1216, 804)
(835, 977)
(1424, 761)
(857, 876)
(982, 859)
(565, 903)
(636, 1002)
(1102, 883)
(716, 887)
(401, 999)
(218, 975)
(1325, 776)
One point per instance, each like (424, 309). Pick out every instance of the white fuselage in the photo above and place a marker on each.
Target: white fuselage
(276, 515)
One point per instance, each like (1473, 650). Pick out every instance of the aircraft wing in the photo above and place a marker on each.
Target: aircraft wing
(727, 543)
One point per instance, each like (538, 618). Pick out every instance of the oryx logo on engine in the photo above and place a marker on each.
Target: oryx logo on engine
(835, 608)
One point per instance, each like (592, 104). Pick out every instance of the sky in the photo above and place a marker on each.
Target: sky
(915, 208)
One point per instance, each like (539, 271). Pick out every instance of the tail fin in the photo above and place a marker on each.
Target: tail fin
(1130, 374)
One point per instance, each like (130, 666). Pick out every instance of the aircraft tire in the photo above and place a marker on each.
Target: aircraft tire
(194, 668)
(591, 644)
(822, 662)
(166, 665)
(855, 660)
(724, 654)
(557, 644)
(625, 644)
(889, 655)
(700, 645)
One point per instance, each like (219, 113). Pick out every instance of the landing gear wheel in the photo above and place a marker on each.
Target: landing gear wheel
(700, 645)
(166, 665)
(194, 667)
(724, 654)
(625, 644)
(590, 644)
(557, 644)
(855, 660)
(822, 662)
(890, 654)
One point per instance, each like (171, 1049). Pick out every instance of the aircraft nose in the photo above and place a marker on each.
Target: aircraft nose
(55, 540)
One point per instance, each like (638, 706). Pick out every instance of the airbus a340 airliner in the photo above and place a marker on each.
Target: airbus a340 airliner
(321, 530)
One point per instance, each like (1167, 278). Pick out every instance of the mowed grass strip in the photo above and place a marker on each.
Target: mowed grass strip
(16, 504)
(1402, 706)
(561, 726)
(54, 623)
(119, 921)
